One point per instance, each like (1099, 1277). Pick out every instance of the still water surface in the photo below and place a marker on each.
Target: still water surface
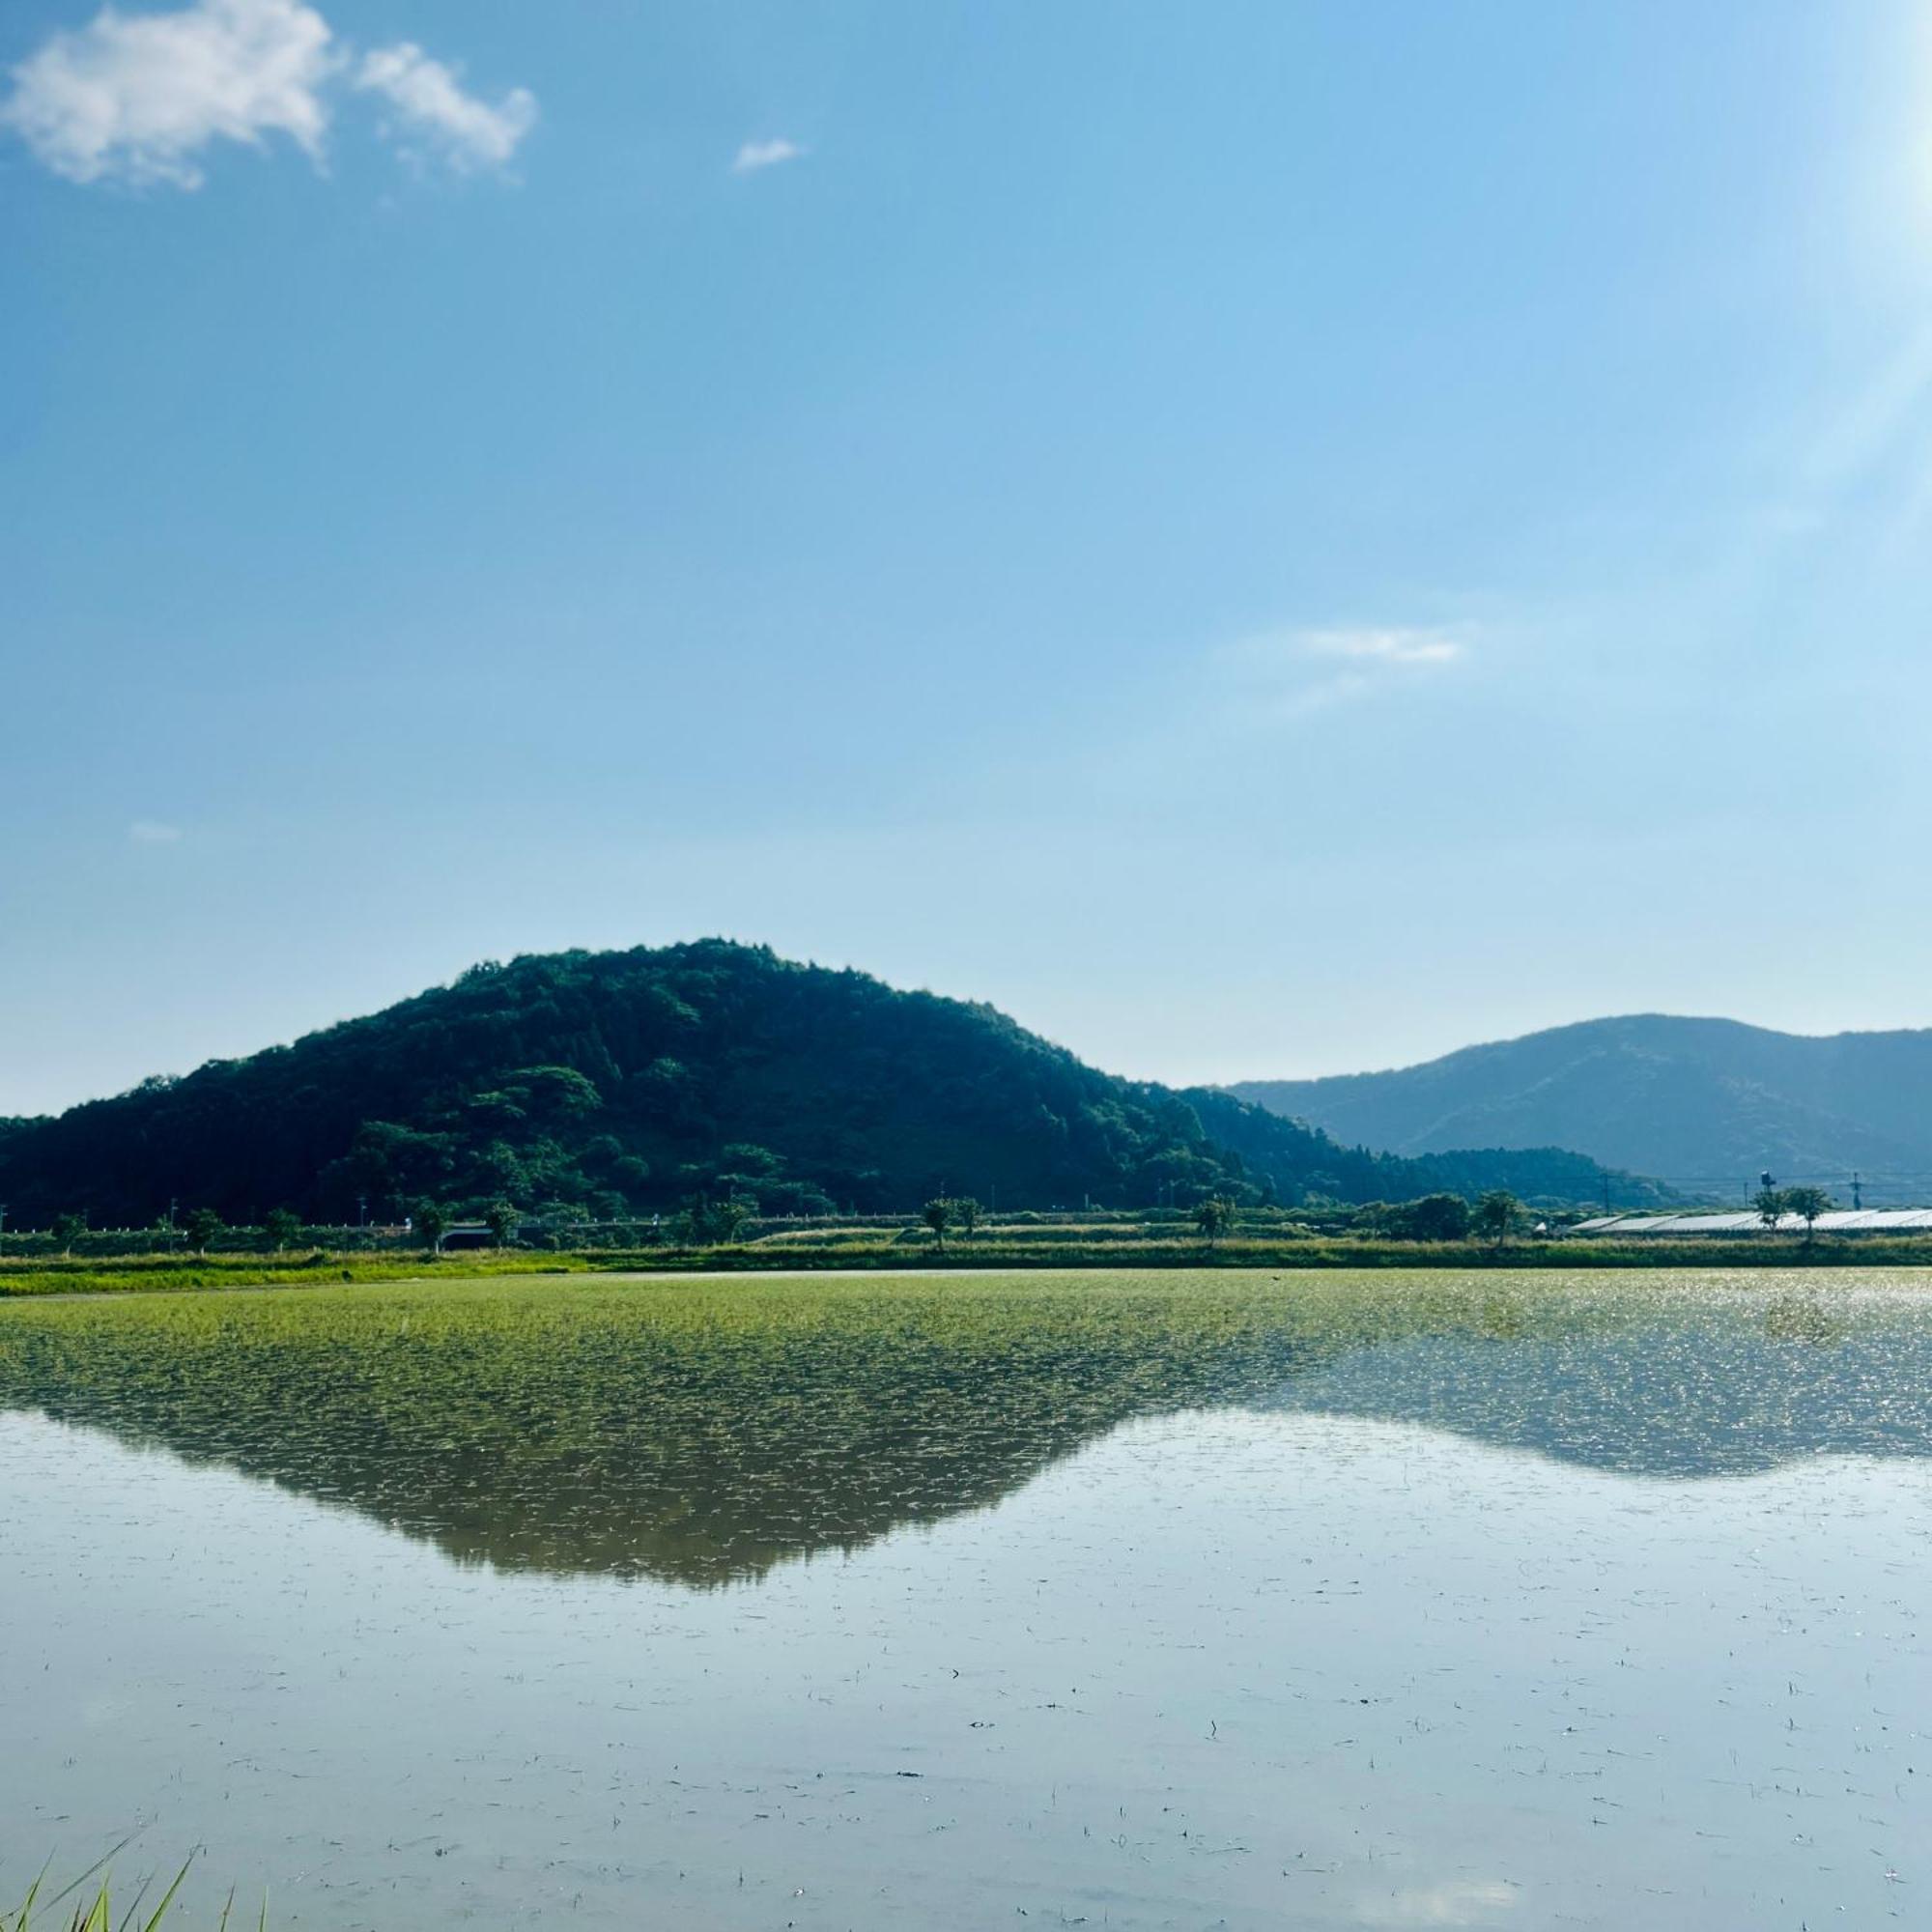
(1128, 1602)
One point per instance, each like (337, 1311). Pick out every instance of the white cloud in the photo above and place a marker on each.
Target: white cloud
(756, 155)
(153, 831)
(1290, 673)
(137, 97)
(469, 132)
(1396, 648)
(140, 98)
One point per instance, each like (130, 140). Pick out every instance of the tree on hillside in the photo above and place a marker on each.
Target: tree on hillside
(283, 1228)
(1496, 1213)
(966, 1211)
(1436, 1218)
(748, 1161)
(937, 1214)
(502, 1221)
(552, 1093)
(432, 1223)
(1807, 1204)
(67, 1228)
(203, 1224)
(1214, 1217)
(1771, 1205)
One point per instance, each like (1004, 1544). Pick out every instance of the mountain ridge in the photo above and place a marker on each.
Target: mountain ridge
(1699, 1101)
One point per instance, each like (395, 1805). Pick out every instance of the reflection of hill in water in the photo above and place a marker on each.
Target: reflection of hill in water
(624, 1434)
(1725, 1395)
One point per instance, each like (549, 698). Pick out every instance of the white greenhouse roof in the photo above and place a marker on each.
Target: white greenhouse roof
(1833, 1221)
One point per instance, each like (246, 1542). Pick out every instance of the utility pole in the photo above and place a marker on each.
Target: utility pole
(1858, 1193)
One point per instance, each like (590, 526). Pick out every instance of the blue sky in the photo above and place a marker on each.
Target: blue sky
(1264, 539)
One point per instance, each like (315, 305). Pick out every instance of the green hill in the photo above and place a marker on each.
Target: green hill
(625, 1083)
(1705, 1103)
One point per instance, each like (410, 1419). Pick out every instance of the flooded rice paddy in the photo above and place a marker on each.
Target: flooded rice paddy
(1127, 1600)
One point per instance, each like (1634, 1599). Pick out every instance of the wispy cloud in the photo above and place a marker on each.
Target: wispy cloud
(153, 831)
(1373, 646)
(1290, 673)
(756, 155)
(430, 104)
(140, 98)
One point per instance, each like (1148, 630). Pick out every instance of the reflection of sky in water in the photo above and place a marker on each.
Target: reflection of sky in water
(1462, 1647)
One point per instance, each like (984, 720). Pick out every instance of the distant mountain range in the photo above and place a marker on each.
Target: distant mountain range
(1704, 1104)
(623, 1083)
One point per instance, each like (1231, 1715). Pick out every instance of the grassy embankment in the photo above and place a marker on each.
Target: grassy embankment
(874, 1248)
(1281, 1245)
(105, 1274)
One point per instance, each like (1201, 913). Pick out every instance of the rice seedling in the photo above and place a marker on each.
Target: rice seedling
(75, 1908)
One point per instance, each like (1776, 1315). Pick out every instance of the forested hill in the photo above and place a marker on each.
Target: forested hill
(623, 1083)
(1705, 1103)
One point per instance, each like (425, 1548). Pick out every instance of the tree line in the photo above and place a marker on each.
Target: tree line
(719, 1220)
